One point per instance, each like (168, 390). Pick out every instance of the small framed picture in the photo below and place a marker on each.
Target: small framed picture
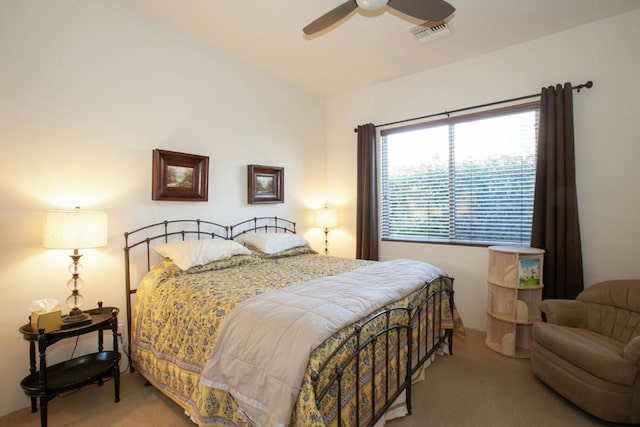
(179, 176)
(266, 184)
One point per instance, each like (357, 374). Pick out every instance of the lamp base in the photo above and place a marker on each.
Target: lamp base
(75, 318)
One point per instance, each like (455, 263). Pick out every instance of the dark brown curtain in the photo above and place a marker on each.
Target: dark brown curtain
(367, 196)
(555, 211)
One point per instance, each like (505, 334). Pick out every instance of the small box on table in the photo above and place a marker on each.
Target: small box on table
(49, 321)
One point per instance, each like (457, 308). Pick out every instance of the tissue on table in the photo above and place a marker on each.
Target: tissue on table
(45, 314)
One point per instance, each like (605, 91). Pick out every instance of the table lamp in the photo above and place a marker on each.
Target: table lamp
(326, 218)
(74, 229)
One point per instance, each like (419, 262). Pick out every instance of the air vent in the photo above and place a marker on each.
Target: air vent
(430, 31)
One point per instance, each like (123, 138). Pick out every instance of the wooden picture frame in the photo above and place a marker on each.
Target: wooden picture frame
(265, 184)
(180, 176)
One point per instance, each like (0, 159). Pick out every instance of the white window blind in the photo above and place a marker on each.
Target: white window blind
(467, 180)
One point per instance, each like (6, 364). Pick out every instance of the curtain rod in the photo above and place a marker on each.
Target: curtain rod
(587, 85)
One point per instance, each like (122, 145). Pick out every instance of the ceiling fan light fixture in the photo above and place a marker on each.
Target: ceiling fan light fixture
(372, 4)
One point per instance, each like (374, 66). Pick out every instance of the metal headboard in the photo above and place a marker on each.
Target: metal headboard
(265, 224)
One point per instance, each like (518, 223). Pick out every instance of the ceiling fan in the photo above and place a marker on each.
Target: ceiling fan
(427, 10)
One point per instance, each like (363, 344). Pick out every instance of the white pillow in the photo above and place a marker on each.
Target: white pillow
(199, 252)
(272, 243)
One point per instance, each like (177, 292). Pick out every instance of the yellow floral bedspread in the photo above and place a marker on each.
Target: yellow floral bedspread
(177, 317)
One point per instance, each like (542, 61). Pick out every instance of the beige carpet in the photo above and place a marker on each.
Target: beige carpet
(473, 388)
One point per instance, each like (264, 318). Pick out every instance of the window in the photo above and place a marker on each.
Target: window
(467, 180)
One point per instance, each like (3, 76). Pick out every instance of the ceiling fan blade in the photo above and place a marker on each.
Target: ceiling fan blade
(428, 10)
(331, 17)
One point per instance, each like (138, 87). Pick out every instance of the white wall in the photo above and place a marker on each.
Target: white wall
(607, 143)
(89, 89)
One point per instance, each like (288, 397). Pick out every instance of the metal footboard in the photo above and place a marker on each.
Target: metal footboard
(393, 345)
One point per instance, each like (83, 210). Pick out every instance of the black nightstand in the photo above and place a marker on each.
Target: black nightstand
(49, 381)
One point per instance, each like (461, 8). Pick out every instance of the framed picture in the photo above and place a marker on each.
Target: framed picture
(180, 176)
(266, 184)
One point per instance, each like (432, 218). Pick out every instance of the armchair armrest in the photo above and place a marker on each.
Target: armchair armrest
(632, 350)
(564, 312)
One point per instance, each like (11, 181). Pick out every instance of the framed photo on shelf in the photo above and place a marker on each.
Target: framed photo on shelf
(528, 272)
(179, 176)
(265, 184)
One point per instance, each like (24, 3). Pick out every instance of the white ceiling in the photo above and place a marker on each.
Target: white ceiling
(364, 49)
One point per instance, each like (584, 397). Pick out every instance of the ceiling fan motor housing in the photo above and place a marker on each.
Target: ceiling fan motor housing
(372, 4)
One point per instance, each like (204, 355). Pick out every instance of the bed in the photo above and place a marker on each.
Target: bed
(359, 374)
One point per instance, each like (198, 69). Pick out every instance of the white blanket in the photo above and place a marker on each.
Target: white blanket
(263, 346)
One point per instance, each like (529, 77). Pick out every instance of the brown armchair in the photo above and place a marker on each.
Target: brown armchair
(588, 350)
